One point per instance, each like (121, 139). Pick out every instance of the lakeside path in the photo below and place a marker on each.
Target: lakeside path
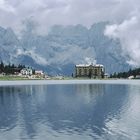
(53, 82)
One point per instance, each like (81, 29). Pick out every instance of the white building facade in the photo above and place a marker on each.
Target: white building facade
(90, 70)
(26, 71)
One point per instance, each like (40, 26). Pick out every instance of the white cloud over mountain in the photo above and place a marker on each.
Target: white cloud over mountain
(128, 33)
(49, 12)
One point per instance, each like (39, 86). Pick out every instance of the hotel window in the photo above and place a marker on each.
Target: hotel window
(95, 71)
(85, 71)
(80, 71)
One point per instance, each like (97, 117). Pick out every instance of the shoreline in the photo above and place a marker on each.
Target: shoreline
(71, 81)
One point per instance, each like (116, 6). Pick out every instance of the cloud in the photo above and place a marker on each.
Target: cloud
(129, 35)
(126, 29)
(66, 12)
(37, 58)
(5, 7)
(68, 54)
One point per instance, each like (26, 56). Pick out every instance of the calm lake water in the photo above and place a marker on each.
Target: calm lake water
(84, 111)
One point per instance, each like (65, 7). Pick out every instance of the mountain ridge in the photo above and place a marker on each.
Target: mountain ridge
(62, 48)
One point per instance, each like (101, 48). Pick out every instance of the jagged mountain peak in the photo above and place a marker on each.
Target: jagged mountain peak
(63, 47)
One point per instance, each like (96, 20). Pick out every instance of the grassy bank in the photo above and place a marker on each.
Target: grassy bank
(6, 77)
(13, 78)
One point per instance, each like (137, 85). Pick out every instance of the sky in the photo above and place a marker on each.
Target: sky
(123, 16)
(46, 13)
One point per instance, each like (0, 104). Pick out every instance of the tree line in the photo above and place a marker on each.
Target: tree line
(10, 68)
(131, 72)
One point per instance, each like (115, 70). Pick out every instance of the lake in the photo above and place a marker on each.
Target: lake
(71, 109)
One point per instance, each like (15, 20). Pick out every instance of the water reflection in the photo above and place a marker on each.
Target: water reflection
(127, 124)
(69, 111)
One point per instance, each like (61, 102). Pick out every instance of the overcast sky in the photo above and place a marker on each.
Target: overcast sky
(49, 12)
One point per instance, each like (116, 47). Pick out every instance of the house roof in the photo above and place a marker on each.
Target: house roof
(26, 69)
(87, 65)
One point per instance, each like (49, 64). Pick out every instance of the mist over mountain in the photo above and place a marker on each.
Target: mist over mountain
(62, 48)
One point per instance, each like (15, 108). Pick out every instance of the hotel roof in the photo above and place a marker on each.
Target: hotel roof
(87, 65)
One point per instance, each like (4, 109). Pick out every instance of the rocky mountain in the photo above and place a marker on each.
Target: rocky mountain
(62, 48)
(8, 44)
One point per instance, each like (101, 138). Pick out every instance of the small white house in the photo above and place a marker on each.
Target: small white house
(137, 76)
(39, 72)
(26, 71)
(106, 75)
(131, 77)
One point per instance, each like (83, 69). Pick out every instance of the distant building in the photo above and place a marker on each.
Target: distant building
(137, 77)
(106, 75)
(131, 77)
(2, 74)
(89, 70)
(39, 72)
(26, 71)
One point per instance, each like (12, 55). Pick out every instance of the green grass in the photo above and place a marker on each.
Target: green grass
(14, 78)
(8, 78)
